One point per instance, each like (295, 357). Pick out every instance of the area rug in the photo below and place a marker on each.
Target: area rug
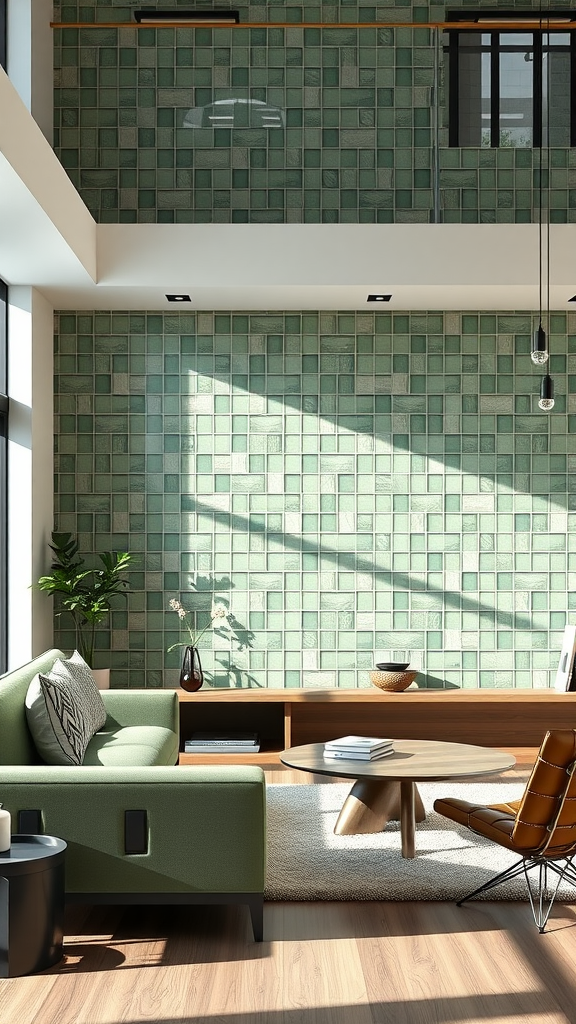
(306, 861)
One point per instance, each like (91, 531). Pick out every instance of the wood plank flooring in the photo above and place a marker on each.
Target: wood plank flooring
(321, 963)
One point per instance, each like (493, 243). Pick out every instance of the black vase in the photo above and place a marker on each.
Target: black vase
(191, 675)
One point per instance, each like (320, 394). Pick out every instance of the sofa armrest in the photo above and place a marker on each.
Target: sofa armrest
(206, 825)
(141, 707)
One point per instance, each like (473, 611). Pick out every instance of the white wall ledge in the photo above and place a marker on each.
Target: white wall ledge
(49, 240)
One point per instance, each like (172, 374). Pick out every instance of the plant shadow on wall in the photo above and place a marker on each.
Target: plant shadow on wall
(208, 606)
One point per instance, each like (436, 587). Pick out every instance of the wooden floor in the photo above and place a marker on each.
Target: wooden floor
(320, 963)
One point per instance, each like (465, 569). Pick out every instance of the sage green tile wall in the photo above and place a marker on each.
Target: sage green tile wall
(357, 486)
(357, 145)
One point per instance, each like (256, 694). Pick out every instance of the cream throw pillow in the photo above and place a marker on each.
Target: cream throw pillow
(64, 709)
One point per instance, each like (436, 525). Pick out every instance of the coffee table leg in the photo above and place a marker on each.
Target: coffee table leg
(408, 818)
(372, 803)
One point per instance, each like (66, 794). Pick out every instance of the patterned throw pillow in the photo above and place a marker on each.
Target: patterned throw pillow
(64, 709)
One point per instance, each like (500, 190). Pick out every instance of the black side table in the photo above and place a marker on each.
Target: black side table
(31, 905)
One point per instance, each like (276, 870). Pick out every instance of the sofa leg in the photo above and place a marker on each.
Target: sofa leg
(256, 905)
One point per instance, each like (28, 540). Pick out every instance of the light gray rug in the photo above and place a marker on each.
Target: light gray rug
(306, 861)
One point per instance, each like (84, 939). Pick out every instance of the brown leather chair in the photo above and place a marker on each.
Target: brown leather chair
(541, 826)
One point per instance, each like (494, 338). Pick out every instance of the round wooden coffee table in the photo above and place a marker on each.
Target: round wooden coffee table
(385, 790)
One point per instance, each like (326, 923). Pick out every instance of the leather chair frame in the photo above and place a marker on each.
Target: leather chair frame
(541, 826)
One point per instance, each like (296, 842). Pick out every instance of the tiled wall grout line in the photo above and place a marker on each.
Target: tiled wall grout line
(355, 485)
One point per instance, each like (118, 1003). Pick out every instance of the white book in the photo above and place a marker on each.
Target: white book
(347, 755)
(360, 750)
(361, 743)
(567, 657)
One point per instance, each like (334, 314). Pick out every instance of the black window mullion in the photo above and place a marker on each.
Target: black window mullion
(572, 86)
(3, 338)
(537, 87)
(3, 36)
(453, 93)
(494, 89)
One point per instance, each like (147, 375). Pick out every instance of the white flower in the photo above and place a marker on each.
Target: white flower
(219, 611)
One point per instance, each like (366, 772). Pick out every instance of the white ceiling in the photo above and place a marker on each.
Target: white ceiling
(49, 240)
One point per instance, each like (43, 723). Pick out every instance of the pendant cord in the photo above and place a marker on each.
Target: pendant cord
(540, 238)
(548, 164)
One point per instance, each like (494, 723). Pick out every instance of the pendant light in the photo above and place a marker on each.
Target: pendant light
(539, 345)
(540, 352)
(546, 401)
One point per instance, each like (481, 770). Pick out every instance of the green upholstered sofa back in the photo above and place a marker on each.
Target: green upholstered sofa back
(16, 746)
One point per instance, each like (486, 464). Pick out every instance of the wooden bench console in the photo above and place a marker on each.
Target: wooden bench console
(286, 718)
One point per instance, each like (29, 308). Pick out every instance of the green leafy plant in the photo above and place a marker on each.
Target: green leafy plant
(85, 593)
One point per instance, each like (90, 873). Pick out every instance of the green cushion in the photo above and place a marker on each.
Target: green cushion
(133, 745)
(16, 745)
(132, 707)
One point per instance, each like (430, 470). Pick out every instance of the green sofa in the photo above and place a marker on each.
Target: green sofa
(139, 828)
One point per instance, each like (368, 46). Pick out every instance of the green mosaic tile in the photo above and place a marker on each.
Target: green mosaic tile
(356, 111)
(325, 535)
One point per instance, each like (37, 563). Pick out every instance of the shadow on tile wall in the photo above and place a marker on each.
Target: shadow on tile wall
(356, 487)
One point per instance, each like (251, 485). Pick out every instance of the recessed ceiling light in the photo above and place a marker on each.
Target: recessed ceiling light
(379, 298)
(150, 17)
(178, 298)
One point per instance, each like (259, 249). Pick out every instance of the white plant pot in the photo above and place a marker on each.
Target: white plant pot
(102, 677)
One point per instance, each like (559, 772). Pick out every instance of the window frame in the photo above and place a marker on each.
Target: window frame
(3, 34)
(4, 405)
(495, 48)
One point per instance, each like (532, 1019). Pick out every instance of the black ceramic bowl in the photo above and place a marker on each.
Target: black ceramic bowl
(392, 666)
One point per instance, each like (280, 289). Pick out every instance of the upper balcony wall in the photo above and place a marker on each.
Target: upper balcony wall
(322, 125)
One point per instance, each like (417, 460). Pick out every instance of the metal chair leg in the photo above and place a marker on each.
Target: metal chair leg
(504, 876)
(541, 899)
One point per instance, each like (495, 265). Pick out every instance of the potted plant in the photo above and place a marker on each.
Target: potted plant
(85, 593)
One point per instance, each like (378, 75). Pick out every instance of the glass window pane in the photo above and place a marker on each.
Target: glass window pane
(475, 40)
(516, 117)
(516, 39)
(474, 99)
(556, 39)
(3, 471)
(556, 110)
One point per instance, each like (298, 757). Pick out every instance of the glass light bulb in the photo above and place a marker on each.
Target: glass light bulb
(539, 353)
(546, 400)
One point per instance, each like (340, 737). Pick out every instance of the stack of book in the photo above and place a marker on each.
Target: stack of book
(358, 748)
(222, 743)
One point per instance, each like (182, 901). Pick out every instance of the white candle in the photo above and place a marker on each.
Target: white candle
(4, 831)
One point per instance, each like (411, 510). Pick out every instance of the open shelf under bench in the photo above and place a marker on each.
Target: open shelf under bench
(288, 718)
